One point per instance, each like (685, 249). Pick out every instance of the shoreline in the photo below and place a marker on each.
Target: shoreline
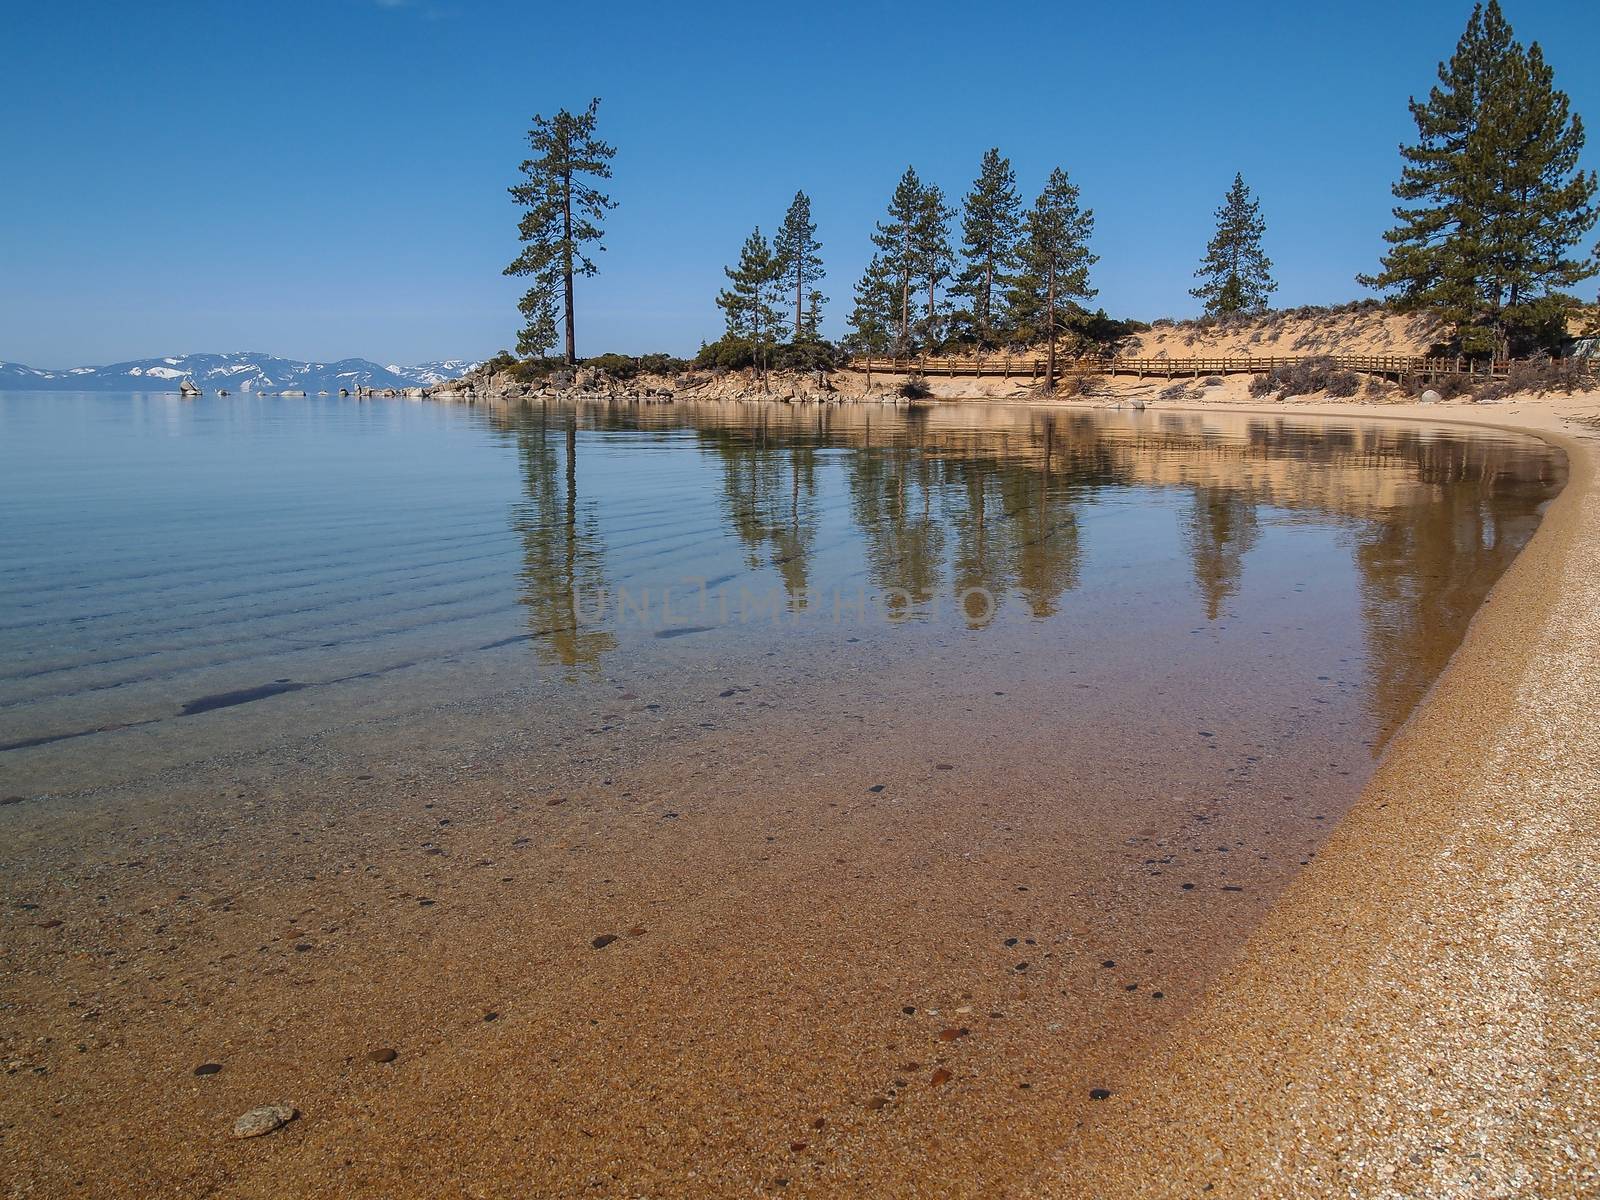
(1416, 1014)
(293, 924)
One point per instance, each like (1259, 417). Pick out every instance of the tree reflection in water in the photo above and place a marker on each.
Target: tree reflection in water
(945, 500)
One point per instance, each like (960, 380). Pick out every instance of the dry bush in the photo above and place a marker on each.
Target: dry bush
(1078, 381)
(1539, 375)
(915, 388)
(1301, 378)
(1565, 375)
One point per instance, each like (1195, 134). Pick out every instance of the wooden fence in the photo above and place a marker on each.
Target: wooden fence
(1032, 365)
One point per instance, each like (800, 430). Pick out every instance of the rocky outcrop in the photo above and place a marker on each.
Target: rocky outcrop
(584, 383)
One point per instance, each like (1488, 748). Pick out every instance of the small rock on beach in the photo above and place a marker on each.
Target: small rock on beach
(263, 1120)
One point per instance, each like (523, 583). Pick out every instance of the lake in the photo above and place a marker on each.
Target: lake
(754, 763)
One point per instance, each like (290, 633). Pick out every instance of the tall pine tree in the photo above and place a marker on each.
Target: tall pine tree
(564, 215)
(934, 257)
(800, 263)
(897, 237)
(749, 303)
(991, 221)
(1494, 203)
(1238, 276)
(1055, 264)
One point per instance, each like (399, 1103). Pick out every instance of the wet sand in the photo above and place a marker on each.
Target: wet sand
(1419, 1014)
(774, 917)
(747, 1031)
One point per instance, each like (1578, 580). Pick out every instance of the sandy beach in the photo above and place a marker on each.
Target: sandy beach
(1418, 1014)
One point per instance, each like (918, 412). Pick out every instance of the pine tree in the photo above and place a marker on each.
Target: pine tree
(1055, 264)
(1495, 204)
(564, 215)
(991, 222)
(743, 302)
(934, 257)
(1238, 276)
(897, 238)
(749, 302)
(811, 327)
(774, 291)
(872, 320)
(799, 258)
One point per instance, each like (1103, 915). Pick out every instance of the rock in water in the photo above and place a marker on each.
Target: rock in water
(264, 1120)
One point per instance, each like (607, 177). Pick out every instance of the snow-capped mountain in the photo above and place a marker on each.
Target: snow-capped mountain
(242, 372)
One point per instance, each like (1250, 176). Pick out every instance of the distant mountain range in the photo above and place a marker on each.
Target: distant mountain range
(243, 372)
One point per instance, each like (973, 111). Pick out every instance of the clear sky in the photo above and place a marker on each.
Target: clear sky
(327, 179)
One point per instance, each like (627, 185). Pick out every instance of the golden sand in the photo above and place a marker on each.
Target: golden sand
(1419, 1014)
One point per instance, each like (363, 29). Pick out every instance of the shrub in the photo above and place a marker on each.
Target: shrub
(916, 388)
(727, 353)
(623, 366)
(535, 370)
(1174, 391)
(1311, 375)
(1078, 382)
(617, 366)
(662, 364)
(1100, 330)
(807, 356)
(1565, 375)
(730, 353)
(1342, 384)
(1211, 381)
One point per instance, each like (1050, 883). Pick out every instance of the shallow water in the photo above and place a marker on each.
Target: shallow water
(820, 801)
(182, 579)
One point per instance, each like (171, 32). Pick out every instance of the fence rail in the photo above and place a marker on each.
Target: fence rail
(1400, 366)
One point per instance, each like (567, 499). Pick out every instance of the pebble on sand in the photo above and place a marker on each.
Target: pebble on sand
(208, 1068)
(263, 1120)
(384, 1054)
(1099, 1093)
(604, 940)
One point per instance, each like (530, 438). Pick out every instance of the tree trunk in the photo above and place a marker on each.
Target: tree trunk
(1050, 331)
(566, 264)
(988, 301)
(905, 314)
(799, 285)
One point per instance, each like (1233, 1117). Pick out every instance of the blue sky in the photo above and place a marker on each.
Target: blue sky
(327, 179)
